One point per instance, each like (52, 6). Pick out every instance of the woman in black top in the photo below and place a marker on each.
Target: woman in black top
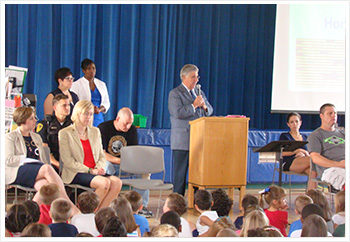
(299, 159)
(64, 78)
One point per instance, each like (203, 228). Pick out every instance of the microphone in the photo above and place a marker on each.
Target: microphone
(198, 87)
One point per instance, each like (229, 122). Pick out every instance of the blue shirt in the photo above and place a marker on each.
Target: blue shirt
(142, 222)
(295, 226)
(96, 100)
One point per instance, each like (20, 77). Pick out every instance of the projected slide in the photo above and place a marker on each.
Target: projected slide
(309, 61)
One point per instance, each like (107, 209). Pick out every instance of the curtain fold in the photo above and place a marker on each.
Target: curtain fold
(139, 50)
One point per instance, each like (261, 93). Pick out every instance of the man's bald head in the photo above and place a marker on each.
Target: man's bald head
(124, 120)
(125, 112)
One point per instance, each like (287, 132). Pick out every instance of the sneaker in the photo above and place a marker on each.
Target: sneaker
(145, 213)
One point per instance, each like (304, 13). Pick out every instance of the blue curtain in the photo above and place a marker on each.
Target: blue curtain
(140, 49)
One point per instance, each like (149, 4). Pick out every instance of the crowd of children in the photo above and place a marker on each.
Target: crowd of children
(265, 215)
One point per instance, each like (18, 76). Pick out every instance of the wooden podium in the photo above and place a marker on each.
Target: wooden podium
(218, 155)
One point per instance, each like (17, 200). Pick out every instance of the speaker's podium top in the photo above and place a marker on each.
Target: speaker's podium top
(219, 119)
(286, 145)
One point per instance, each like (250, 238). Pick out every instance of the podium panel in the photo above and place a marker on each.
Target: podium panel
(218, 152)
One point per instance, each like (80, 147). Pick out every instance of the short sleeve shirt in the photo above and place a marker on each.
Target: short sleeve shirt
(113, 140)
(330, 144)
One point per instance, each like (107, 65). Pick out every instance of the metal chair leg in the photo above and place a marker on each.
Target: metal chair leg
(290, 189)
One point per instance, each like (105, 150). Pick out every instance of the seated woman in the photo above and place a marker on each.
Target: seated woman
(83, 157)
(64, 79)
(299, 159)
(22, 144)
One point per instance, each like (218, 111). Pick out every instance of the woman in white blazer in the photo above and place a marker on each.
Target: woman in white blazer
(23, 145)
(90, 88)
(82, 155)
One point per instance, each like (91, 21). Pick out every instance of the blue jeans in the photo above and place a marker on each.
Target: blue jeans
(113, 169)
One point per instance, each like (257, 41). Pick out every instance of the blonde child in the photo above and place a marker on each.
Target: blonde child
(135, 200)
(253, 220)
(164, 230)
(124, 212)
(300, 202)
(220, 224)
(60, 212)
(47, 193)
(274, 197)
(176, 202)
(202, 202)
(88, 202)
(339, 216)
(320, 199)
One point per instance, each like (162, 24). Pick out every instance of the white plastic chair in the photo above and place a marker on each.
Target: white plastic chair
(144, 160)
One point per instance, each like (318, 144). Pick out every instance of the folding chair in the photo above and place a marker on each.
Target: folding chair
(289, 173)
(322, 184)
(29, 192)
(75, 187)
(144, 160)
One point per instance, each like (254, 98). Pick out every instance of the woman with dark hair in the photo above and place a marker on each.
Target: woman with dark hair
(92, 89)
(25, 162)
(64, 78)
(299, 159)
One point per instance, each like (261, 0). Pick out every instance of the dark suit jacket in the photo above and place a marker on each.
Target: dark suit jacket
(181, 112)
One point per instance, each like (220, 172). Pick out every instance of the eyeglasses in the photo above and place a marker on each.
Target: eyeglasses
(69, 78)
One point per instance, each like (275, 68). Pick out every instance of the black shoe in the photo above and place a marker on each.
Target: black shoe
(145, 213)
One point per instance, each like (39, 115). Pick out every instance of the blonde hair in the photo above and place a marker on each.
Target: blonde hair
(81, 107)
(301, 201)
(60, 210)
(164, 230)
(254, 219)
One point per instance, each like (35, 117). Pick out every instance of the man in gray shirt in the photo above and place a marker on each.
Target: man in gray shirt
(327, 143)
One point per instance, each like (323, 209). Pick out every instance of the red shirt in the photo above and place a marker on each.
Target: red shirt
(279, 219)
(88, 156)
(44, 214)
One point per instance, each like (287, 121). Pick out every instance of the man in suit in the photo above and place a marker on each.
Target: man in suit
(185, 104)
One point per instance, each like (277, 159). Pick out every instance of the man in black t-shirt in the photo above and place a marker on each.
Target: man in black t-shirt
(115, 135)
(49, 127)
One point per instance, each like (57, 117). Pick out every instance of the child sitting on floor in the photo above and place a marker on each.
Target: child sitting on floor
(172, 218)
(320, 199)
(135, 200)
(274, 197)
(222, 203)
(202, 202)
(300, 202)
(176, 202)
(60, 212)
(124, 212)
(88, 202)
(339, 216)
(102, 216)
(48, 193)
(247, 200)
